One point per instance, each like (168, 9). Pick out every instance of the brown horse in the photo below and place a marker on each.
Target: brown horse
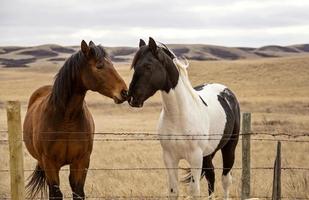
(58, 127)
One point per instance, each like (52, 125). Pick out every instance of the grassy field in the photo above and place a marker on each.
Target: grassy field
(275, 90)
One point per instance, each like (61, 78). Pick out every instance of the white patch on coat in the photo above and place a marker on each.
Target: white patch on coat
(216, 113)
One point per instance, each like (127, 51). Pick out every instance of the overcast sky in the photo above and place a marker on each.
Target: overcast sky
(123, 22)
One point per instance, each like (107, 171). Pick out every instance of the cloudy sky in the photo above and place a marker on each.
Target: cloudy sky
(123, 22)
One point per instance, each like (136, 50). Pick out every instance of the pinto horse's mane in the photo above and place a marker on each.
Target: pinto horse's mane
(68, 77)
(182, 69)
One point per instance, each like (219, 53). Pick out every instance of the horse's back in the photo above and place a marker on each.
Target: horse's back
(39, 93)
(34, 111)
(218, 97)
(223, 112)
(33, 116)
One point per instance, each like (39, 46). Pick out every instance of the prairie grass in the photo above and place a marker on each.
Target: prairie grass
(275, 91)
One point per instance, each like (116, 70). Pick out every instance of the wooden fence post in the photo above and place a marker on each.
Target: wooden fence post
(16, 151)
(245, 179)
(276, 195)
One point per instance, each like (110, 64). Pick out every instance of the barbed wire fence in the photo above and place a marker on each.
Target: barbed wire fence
(147, 136)
(142, 197)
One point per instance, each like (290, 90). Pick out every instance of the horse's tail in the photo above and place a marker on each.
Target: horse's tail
(207, 165)
(37, 183)
(186, 179)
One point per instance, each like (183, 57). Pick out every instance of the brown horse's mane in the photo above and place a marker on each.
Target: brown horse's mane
(68, 78)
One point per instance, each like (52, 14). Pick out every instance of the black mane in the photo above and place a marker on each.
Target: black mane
(68, 77)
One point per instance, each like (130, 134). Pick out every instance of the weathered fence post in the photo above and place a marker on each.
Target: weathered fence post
(16, 151)
(277, 175)
(245, 179)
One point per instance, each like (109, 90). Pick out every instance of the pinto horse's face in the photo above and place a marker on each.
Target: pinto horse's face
(151, 73)
(100, 75)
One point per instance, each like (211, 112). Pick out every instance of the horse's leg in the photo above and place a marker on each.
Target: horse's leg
(52, 176)
(171, 163)
(77, 177)
(209, 173)
(228, 157)
(196, 162)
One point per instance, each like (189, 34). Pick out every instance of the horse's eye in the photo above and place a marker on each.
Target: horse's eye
(148, 67)
(99, 66)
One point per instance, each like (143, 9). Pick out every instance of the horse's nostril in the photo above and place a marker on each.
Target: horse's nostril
(124, 93)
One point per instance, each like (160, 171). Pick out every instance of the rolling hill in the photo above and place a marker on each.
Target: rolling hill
(51, 54)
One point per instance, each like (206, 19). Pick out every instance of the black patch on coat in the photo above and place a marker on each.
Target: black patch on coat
(209, 173)
(203, 101)
(199, 87)
(230, 105)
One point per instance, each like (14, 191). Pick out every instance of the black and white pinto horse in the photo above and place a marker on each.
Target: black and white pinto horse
(194, 123)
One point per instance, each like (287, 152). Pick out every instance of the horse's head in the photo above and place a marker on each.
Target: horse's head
(153, 70)
(100, 75)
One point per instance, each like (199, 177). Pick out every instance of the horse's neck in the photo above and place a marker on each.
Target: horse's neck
(75, 104)
(73, 108)
(180, 101)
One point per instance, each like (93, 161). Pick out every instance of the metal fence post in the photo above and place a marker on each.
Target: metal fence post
(245, 179)
(276, 195)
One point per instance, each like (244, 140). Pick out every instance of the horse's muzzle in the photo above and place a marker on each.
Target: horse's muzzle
(124, 97)
(124, 94)
(135, 102)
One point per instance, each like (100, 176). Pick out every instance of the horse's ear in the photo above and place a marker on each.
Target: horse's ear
(85, 48)
(153, 46)
(91, 43)
(141, 43)
(91, 53)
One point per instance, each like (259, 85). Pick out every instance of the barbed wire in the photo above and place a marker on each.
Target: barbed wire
(162, 197)
(158, 139)
(136, 136)
(142, 133)
(162, 168)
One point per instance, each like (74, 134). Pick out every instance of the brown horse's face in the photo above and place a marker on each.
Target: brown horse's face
(100, 75)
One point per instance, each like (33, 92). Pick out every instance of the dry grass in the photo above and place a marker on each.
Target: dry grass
(276, 91)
